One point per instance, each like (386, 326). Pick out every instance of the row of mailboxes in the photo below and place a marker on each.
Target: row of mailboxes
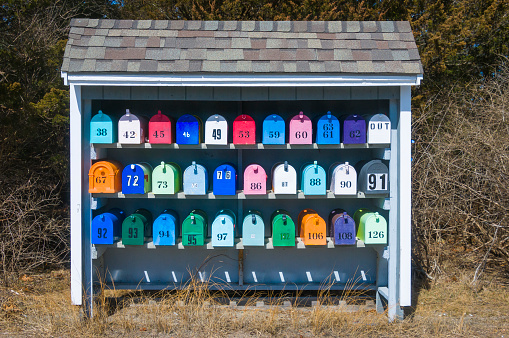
(133, 129)
(164, 230)
(166, 178)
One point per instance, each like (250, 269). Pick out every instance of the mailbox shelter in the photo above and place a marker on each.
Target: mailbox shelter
(224, 180)
(253, 229)
(379, 129)
(165, 229)
(342, 227)
(216, 130)
(284, 179)
(274, 129)
(244, 130)
(107, 227)
(166, 178)
(102, 129)
(343, 179)
(160, 129)
(328, 130)
(263, 69)
(223, 228)
(137, 178)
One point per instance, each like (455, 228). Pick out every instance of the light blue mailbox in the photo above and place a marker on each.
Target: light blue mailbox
(253, 229)
(102, 129)
(327, 130)
(107, 227)
(224, 181)
(188, 130)
(314, 180)
(137, 178)
(273, 130)
(223, 229)
(165, 230)
(196, 180)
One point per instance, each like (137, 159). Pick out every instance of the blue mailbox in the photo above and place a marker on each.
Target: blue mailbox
(165, 230)
(225, 180)
(273, 130)
(253, 229)
(107, 227)
(196, 180)
(313, 180)
(223, 228)
(188, 130)
(327, 130)
(354, 130)
(137, 178)
(102, 129)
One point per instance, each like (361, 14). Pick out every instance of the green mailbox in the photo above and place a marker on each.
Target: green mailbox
(194, 228)
(283, 229)
(371, 227)
(166, 179)
(136, 227)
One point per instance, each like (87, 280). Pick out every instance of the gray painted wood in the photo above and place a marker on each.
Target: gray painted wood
(200, 93)
(337, 93)
(309, 93)
(226, 93)
(117, 93)
(144, 93)
(387, 93)
(282, 93)
(364, 93)
(172, 93)
(255, 94)
(92, 92)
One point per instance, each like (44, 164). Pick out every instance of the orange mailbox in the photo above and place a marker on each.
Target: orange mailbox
(312, 228)
(105, 177)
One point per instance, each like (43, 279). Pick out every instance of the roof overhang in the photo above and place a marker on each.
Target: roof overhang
(240, 80)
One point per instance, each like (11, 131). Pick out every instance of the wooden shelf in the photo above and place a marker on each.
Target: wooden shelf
(239, 146)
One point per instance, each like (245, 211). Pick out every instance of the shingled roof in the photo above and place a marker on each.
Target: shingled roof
(245, 47)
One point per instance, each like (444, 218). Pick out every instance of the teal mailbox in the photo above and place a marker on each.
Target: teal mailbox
(102, 129)
(253, 229)
(165, 230)
(223, 229)
(314, 180)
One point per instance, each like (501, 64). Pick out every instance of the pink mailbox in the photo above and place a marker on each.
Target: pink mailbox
(255, 180)
(300, 130)
(160, 129)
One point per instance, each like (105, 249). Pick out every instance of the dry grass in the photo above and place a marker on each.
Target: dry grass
(40, 305)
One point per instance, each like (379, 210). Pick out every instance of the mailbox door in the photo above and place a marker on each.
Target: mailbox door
(244, 130)
(255, 180)
(195, 180)
(102, 129)
(224, 180)
(160, 129)
(194, 230)
(273, 130)
(131, 129)
(375, 229)
(166, 179)
(328, 130)
(379, 129)
(284, 179)
(354, 130)
(105, 177)
(133, 230)
(216, 130)
(283, 231)
(165, 228)
(188, 130)
(314, 230)
(314, 180)
(223, 231)
(253, 230)
(374, 178)
(344, 180)
(136, 179)
(300, 130)
(342, 228)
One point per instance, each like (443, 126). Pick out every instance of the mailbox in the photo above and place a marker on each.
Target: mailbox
(188, 130)
(327, 130)
(314, 180)
(244, 130)
(223, 229)
(343, 179)
(284, 179)
(160, 129)
(354, 130)
(194, 228)
(300, 130)
(166, 179)
(255, 180)
(137, 178)
(253, 229)
(136, 227)
(216, 130)
(283, 229)
(107, 227)
(196, 180)
(131, 129)
(342, 227)
(165, 230)
(312, 228)
(102, 129)
(274, 128)
(379, 129)
(373, 177)
(371, 227)
(225, 180)
(105, 177)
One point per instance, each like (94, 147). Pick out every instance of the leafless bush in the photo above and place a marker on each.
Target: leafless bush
(460, 176)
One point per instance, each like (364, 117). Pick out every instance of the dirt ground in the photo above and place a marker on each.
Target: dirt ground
(450, 306)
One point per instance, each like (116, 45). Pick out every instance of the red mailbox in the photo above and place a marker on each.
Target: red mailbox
(244, 130)
(160, 129)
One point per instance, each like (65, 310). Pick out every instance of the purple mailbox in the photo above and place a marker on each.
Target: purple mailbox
(354, 130)
(342, 227)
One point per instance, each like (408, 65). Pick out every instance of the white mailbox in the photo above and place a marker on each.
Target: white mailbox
(216, 130)
(131, 129)
(284, 179)
(379, 129)
(343, 179)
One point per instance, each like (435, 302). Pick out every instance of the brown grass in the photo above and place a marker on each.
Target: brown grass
(40, 305)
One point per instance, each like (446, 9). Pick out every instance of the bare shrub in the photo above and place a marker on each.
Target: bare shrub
(460, 173)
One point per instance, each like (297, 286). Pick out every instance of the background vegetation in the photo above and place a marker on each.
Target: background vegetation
(460, 161)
